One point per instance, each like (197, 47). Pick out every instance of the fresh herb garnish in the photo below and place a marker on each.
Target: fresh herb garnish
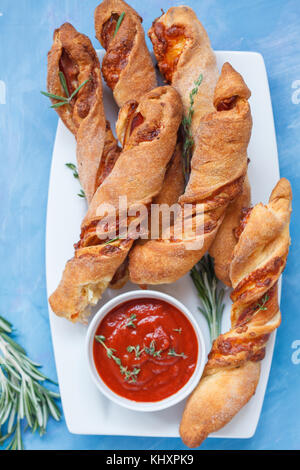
(210, 293)
(22, 395)
(188, 141)
(128, 375)
(152, 350)
(178, 330)
(137, 349)
(63, 100)
(261, 306)
(119, 23)
(173, 353)
(130, 323)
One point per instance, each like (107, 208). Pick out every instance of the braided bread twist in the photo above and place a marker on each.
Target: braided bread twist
(73, 54)
(127, 66)
(219, 166)
(232, 371)
(151, 134)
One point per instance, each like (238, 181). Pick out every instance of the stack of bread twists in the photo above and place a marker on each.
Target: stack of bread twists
(232, 372)
(182, 49)
(218, 170)
(150, 135)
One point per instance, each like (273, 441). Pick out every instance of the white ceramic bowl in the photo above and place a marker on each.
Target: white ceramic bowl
(125, 402)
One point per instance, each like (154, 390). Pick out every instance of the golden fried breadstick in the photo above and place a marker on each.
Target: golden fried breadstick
(127, 66)
(183, 52)
(223, 245)
(72, 54)
(232, 371)
(219, 166)
(138, 174)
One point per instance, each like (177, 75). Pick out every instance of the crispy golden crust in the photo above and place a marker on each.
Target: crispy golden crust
(127, 66)
(73, 54)
(232, 371)
(183, 52)
(138, 173)
(219, 165)
(223, 245)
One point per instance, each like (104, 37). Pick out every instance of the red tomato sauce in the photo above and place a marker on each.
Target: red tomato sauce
(162, 352)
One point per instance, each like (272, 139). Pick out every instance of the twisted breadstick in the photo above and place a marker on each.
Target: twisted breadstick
(223, 245)
(73, 54)
(127, 66)
(183, 52)
(219, 165)
(138, 173)
(232, 371)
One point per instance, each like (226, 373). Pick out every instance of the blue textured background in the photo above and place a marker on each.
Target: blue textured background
(27, 131)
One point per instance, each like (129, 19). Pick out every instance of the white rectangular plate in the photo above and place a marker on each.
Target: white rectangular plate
(86, 410)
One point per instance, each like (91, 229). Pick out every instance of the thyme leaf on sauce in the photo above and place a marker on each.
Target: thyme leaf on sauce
(210, 293)
(129, 375)
(121, 17)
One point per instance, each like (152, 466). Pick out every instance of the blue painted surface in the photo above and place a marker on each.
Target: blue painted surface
(27, 131)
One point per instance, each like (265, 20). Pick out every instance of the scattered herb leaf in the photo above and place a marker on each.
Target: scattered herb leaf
(130, 323)
(261, 306)
(64, 99)
(128, 375)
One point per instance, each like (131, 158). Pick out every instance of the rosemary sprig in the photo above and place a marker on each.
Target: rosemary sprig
(130, 323)
(188, 141)
(173, 353)
(22, 395)
(210, 293)
(261, 306)
(119, 23)
(63, 100)
(130, 375)
(152, 350)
